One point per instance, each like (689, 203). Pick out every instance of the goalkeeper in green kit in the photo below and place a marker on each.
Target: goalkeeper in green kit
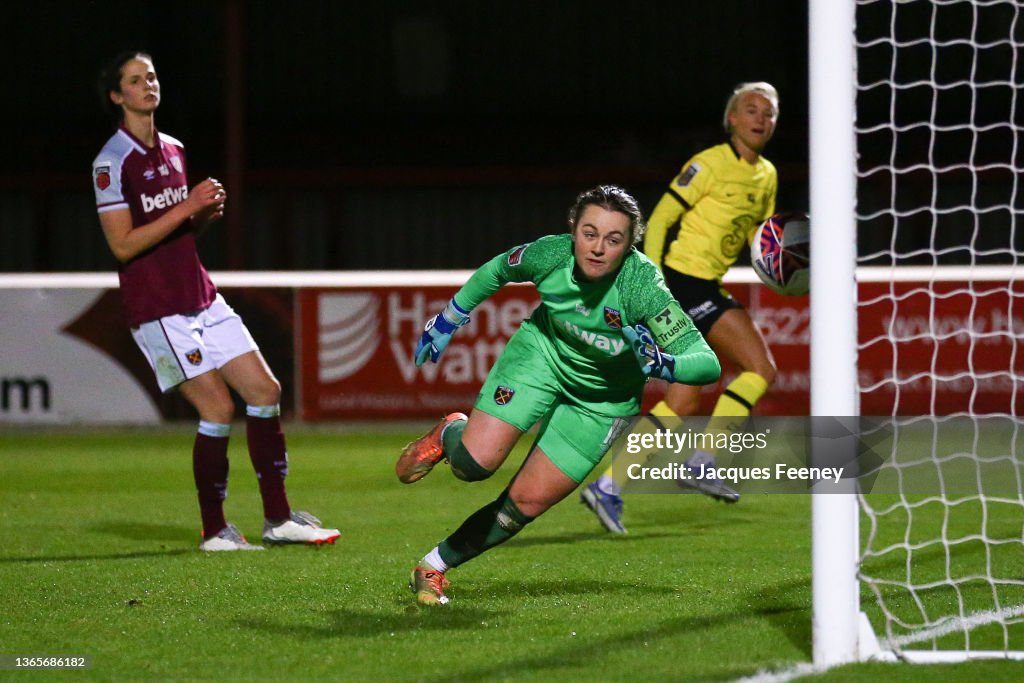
(606, 322)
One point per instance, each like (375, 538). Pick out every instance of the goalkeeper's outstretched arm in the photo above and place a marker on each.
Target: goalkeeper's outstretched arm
(694, 363)
(697, 365)
(519, 264)
(665, 341)
(439, 329)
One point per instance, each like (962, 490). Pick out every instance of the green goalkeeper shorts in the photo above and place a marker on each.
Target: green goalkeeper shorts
(522, 389)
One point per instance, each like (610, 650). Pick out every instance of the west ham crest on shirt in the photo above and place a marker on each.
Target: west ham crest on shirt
(102, 177)
(503, 395)
(195, 356)
(176, 163)
(612, 318)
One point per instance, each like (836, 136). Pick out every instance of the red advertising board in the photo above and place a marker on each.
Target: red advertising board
(940, 348)
(356, 350)
(934, 350)
(925, 348)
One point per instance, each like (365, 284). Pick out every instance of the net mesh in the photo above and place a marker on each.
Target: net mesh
(939, 163)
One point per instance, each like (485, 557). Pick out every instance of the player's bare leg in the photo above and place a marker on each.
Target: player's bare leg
(489, 439)
(735, 336)
(539, 485)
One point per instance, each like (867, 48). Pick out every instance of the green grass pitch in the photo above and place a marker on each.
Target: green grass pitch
(99, 557)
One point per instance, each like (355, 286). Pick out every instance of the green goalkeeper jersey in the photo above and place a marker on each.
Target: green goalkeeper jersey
(580, 321)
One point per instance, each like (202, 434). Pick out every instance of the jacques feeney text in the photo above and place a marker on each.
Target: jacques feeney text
(780, 471)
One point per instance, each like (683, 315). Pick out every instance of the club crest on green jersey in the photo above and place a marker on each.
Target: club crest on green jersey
(612, 318)
(503, 395)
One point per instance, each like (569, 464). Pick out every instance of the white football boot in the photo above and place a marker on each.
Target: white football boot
(302, 527)
(228, 538)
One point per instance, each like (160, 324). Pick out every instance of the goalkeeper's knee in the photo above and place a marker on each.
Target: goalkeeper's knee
(465, 466)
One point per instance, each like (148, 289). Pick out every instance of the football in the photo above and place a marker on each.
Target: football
(781, 253)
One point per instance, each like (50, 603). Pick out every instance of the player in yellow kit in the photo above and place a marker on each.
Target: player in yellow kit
(717, 201)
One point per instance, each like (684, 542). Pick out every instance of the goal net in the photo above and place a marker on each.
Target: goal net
(940, 152)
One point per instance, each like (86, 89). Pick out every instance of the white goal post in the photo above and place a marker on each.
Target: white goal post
(835, 539)
(937, 50)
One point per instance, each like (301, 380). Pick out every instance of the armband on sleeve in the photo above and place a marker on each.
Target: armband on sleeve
(670, 325)
(696, 363)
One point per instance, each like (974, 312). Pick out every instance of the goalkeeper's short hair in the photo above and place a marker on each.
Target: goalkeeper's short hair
(612, 198)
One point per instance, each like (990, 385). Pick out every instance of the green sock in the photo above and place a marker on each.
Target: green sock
(452, 436)
(463, 465)
(491, 525)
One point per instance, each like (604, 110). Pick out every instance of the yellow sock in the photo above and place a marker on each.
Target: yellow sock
(662, 410)
(738, 399)
(741, 395)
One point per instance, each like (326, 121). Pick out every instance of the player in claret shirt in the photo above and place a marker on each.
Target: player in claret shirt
(192, 339)
(578, 365)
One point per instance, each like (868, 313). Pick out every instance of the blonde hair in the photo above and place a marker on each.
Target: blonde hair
(762, 88)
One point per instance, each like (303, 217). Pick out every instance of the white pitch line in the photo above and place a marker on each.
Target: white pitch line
(783, 676)
(955, 624)
(945, 628)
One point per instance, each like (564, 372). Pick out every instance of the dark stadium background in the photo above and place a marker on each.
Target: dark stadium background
(434, 134)
(385, 135)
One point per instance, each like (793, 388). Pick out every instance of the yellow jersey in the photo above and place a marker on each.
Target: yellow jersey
(717, 200)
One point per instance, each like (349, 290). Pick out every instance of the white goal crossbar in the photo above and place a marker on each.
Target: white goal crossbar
(456, 278)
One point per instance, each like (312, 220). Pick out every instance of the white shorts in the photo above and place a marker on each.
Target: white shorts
(180, 347)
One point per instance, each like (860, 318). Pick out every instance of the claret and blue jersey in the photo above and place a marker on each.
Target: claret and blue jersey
(148, 181)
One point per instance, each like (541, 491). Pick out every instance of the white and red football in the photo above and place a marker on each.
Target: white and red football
(781, 253)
